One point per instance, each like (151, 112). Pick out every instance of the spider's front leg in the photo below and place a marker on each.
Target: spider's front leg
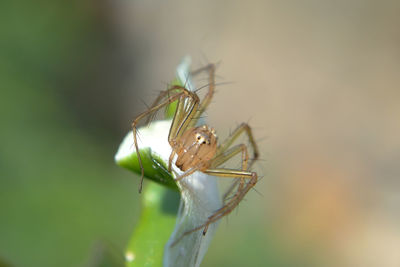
(243, 128)
(210, 68)
(175, 93)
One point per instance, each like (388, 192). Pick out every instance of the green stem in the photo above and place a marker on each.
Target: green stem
(156, 223)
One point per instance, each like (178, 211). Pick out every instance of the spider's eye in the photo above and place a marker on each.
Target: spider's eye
(204, 142)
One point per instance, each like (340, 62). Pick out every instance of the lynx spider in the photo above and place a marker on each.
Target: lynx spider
(197, 148)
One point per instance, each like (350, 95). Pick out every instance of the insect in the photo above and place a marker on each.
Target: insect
(196, 148)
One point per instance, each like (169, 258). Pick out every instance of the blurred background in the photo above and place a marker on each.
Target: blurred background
(317, 80)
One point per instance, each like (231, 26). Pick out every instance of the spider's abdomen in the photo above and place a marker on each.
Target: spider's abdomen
(195, 148)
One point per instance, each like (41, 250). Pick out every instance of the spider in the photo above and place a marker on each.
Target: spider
(196, 148)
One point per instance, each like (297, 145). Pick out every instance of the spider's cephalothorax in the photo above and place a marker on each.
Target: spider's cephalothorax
(196, 148)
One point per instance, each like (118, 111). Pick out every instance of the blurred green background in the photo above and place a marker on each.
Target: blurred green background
(319, 80)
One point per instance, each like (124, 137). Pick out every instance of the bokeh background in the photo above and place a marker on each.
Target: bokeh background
(317, 80)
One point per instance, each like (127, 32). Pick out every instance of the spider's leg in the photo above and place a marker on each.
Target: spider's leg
(239, 175)
(242, 128)
(162, 96)
(224, 153)
(225, 156)
(211, 87)
(177, 94)
(229, 206)
(239, 195)
(186, 109)
(187, 173)
(171, 157)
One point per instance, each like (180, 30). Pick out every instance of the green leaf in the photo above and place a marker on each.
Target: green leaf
(154, 167)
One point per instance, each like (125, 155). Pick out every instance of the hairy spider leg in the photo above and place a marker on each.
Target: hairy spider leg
(177, 93)
(228, 154)
(204, 103)
(228, 173)
(238, 196)
(234, 202)
(228, 207)
(211, 88)
(243, 128)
